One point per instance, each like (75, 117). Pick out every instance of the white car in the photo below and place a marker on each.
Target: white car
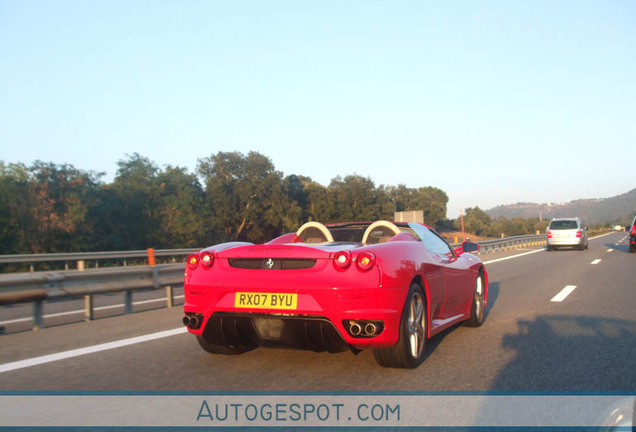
(566, 232)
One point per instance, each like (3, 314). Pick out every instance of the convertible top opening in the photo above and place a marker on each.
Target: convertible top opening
(360, 232)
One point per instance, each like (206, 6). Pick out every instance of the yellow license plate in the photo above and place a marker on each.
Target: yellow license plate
(266, 300)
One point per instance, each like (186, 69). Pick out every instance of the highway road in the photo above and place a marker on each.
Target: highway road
(556, 321)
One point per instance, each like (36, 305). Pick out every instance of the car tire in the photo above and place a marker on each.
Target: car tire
(410, 350)
(478, 306)
(632, 249)
(219, 349)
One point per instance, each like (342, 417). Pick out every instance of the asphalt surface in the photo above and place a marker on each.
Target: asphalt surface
(586, 342)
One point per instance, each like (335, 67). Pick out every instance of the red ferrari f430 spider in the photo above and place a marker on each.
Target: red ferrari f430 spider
(385, 286)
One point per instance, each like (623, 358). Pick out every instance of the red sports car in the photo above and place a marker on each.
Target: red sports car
(388, 286)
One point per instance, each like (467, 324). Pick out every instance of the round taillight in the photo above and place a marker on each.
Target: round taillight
(193, 261)
(366, 261)
(342, 259)
(207, 259)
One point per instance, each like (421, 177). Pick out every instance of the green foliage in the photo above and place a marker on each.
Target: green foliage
(231, 197)
(58, 208)
(357, 198)
(44, 208)
(478, 222)
(430, 199)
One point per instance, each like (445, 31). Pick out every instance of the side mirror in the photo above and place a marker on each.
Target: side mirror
(467, 247)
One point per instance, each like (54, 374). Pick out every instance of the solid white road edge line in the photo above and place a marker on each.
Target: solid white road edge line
(564, 293)
(514, 256)
(596, 261)
(21, 364)
(79, 311)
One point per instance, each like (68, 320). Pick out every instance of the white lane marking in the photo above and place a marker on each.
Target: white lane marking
(21, 364)
(610, 250)
(80, 311)
(563, 293)
(602, 235)
(596, 261)
(513, 256)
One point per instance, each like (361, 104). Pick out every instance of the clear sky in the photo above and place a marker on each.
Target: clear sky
(493, 102)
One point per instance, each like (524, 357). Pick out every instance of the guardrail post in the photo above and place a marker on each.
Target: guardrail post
(128, 301)
(37, 315)
(80, 265)
(88, 307)
(169, 296)
(155, 277)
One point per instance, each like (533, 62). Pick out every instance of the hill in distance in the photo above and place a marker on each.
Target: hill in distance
(615, 210)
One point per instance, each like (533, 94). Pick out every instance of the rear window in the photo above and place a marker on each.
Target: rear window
(348, 233)
(563, 225)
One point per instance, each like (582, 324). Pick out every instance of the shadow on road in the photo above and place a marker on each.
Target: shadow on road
(493, 295)
(570, 353)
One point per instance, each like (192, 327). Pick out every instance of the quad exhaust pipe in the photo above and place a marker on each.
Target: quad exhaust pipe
(193, 321)
(363, 328)
(355, 329)
(370, 329)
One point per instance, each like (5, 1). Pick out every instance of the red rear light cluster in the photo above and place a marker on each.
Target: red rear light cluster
(633, 231)
(192, 261)
(206, 259)
(549, 234)
(343, 260)
(578, 234)
(366, 261)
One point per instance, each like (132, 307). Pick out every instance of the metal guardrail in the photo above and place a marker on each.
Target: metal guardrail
(515, 242)
(85, 256)
(90, 256)
(39, 287)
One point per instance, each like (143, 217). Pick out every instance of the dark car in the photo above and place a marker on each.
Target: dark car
(632, 235)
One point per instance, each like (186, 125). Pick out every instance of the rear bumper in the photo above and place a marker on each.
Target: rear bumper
(319, 323)
(254, 330)
(566, 242)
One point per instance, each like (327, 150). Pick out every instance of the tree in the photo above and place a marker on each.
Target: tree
(431, 200)
(182, 210)
(356, 198)
(134, 207)
(245, 194)
(15, 204)
(476, 220)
